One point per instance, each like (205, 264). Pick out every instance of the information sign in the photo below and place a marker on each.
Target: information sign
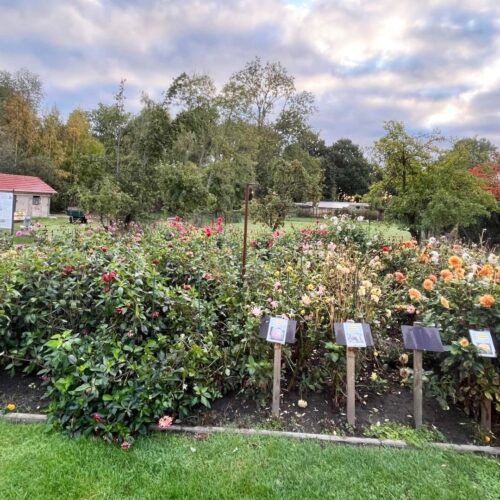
(6, 210)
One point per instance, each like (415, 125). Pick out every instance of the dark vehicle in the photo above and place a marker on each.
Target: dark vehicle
(76, 215)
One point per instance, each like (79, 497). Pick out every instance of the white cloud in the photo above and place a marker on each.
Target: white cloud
(431, 63)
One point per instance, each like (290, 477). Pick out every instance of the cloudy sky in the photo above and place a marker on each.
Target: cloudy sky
(430, 63)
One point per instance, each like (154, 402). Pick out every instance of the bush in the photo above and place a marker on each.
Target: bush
(126, 327)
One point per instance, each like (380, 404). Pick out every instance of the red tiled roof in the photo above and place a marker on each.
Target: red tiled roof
(24, 184)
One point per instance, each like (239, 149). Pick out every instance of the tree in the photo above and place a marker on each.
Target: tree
(347, 171)
(255, 92)
(106, 200)
(292, 180)
(403, 155)
(51, 136)
(108, 125)
(191, 91)
(472, 151)
(440, 197)
(24, 84)
(489, 172)
(21, 125)
(182, 189)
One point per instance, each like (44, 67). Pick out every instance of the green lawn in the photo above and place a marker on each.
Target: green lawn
(391, 232)
(60, 225)
(55, 225)
(35, 464)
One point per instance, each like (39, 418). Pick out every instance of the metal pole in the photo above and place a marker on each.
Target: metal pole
(245, 232)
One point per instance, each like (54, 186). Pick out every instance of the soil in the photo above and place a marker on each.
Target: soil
(392, 404)
(25, 391)
(389, 403)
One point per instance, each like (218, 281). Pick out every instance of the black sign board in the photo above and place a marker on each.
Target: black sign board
(342, 339)
(266, 332)
(422, 338)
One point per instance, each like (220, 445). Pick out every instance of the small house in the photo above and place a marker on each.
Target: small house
(31, 194)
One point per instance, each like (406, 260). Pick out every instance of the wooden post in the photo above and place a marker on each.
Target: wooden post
(417, 387)
(351, 386)
(276, 380)
(486, 414)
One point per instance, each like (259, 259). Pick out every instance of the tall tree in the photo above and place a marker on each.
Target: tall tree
(404, 155)
(427, 191)
(21, 125)
(108, 124)
(347, 171)
(261, 91)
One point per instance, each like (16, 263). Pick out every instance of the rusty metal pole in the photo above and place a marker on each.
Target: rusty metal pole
(245, 232)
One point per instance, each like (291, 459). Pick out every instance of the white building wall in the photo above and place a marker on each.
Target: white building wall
(24, 204)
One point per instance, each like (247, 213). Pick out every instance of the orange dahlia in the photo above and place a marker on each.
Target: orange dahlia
(487, 300)
(463, 342)
(428, 284)
(486, 271)
(424, 258)
(444, 303)
(455, 261)
(399, 277)
(414, 294)
(433, 278)
(446, 274)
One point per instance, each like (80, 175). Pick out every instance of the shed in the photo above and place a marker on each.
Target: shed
(331, 207)
(32, 195)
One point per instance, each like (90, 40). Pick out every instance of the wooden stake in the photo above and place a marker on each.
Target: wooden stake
(351, 386)
(276, 380)
(417, 387)
(486, 414)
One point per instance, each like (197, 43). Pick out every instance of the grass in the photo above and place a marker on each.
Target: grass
(56, 225)
(416, 437)
(59, 225)
(389, 231)
(36, 464)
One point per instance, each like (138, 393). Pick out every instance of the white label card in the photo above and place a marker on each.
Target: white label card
(354, 336)
(277, 330)
(483, 341)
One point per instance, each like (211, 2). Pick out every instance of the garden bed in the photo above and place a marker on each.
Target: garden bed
(25, 391)
(392, 405)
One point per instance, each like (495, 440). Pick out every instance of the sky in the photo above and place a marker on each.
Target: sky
(430, 63)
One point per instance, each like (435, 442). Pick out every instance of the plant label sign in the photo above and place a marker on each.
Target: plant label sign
(483, 341)
(6, 210)
(353, 334)
(422, 338)
(278, 330)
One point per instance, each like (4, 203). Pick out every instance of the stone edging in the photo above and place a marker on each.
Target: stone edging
(31, 418)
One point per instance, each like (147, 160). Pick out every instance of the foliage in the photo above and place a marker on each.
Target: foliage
(294, 180)
(106, 200)
(347, 172)
(416, 437)
(427, 190)
(127, 326)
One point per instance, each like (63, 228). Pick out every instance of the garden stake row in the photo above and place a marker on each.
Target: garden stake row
(418, 338)
(277, 331)
(353, 336)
